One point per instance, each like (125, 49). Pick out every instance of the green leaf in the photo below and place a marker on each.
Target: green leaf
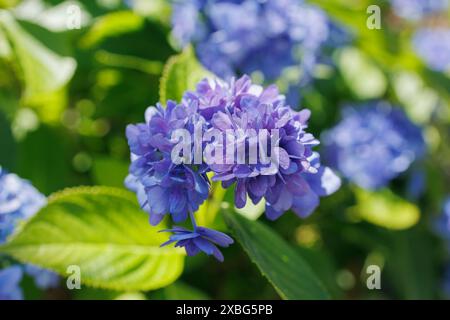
(158, 10)
(104, 232)
(50, 169)
(411, 259)
(252, 211)
(363, 77)
(183, 291)
(109, 171)
(385, 209)
(112, 25)
(286, 270)
(44, 71)
(182, 72)
(8, 143)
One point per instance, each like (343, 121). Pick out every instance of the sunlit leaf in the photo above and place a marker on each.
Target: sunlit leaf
(286, 270)
(44, 71)
(112, 25)
(385, 209)
(182, 72)
(252, 211)
(104, 232)
(363, 77)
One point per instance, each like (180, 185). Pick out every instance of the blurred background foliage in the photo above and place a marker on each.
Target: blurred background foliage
(67, 95)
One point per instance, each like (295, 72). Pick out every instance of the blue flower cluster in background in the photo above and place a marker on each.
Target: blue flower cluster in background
(431, 40)
(415, 10)
(164, 188)
(10, 283)
(242, 36)
(19, 201)
(373, 144)
(433, 46)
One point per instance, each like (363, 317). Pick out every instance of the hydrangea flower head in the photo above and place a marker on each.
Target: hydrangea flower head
(433, 46)
(373, 144)
(294, 178)
(417, 9)
(10, 283)
(19, 201)
(242, 36)
(200, 239)
(162, 186)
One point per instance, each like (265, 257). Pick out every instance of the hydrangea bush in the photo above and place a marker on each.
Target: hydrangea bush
(226, 187)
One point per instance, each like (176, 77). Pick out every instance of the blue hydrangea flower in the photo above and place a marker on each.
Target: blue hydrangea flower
(298, 180)
(200, 239)
(19, 201)
(418, 9)
(294, 180)
(373, 144)
(433, 47)
(162, 186)
(442, 224)
(10, 283)
(242, 36)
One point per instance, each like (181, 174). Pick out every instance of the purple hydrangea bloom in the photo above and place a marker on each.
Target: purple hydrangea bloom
(414, 10)
(164, 187)
(373, 144)
(292, 179)
(10, 283)
(19, 201)
(433, 46)
(295, 180)
(200, 239)
(242, 36)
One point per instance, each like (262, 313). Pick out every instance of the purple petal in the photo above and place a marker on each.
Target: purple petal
(240, 197)
(303, 206)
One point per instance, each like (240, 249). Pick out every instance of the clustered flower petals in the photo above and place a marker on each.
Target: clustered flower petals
(10, 283)
(162, 186)
(433, 46)
(431, 40)
(373, 144)
(292, 178)
(295, 180)
(19, 201)
(233, 36)
(417, 9)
